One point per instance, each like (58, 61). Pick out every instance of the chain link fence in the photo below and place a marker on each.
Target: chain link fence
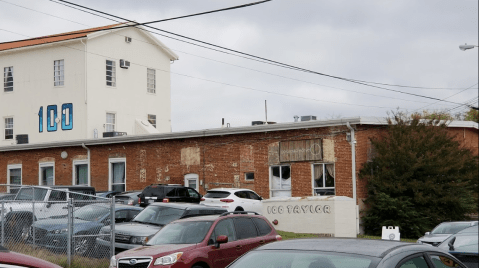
(59, 224)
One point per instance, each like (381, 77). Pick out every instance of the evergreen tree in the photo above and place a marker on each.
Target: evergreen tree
(420, 176)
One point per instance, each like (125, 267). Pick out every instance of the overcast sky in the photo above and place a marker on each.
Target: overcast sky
(401, 42)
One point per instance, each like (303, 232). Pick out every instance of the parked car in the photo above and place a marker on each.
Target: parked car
(7, 196)
(234, 199)
(9, 259)
(52, 233)
(168, 193)
(443, 231)
(107, 194)
(207, 241)
(52, 200)
(464, 245)
(128, 198)
(148, 222)
(346, 253)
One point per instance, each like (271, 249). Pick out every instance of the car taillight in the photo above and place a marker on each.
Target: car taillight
(130, 202)
(139, 200)
(278, 237)
(166, 200)
(227, 200)
(202, 199)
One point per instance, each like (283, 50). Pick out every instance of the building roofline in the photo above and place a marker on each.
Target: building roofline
(219, 132)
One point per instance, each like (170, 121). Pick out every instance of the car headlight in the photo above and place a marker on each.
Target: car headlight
(138, 239)
(168, 259)
(59, 231)
(113, 261)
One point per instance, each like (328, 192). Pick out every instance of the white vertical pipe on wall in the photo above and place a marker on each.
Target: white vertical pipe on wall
(88, 168)
(353, 167)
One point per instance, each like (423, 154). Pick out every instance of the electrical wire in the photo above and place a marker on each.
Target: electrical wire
(461, 104)
(265, 59)
(154, 44)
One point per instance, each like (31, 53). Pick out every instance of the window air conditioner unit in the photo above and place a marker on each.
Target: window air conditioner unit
(124, 64)
(308, 118)
(113, 134)
(127, 39)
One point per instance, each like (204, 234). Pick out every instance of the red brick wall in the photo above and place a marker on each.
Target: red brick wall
(221, 158)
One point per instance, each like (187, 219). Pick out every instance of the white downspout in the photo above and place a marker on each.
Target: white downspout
(353, 167)
(88, 156)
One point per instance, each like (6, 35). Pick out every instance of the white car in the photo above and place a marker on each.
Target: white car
(233, 199)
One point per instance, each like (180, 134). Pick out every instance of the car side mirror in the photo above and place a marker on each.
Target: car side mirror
(427, 233)
(221, 239)
(260, 198)
(48, 205)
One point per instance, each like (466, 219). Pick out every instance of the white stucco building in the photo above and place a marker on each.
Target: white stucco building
(77, 85)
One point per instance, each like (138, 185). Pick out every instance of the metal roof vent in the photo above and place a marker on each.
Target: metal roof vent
(308, 118)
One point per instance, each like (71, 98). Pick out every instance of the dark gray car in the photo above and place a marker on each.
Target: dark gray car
(443, 231)
(128, 198)
(346, 253)
(148, 222)
(464, 245)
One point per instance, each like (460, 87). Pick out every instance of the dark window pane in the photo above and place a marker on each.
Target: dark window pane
(417, 262)
(249, 176)
(275, 171)
(224, 227)
(285, 172)
(245, 228)
(263, 226)
(216, 194)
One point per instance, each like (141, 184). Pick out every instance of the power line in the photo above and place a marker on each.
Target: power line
(265, 59)
(461, 104)
(294, 79)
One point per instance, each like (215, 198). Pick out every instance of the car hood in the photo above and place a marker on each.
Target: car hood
(156, 250)
(135, 228)
(432, 238)
(62, 223)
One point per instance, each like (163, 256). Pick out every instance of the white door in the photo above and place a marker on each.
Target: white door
(191, 180)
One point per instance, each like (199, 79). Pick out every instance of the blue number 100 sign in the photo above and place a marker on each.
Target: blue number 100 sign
(67, 117)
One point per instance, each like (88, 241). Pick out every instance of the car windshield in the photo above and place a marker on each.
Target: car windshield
(450, 227)
(301, 259)
(90, 213)
(189, 232)
(37, 194)
(159, 215)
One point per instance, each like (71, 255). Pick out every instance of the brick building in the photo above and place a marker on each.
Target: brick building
(290, 159)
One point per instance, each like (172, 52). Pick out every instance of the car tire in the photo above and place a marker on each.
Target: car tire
(239, 209)
(81, 246)
(197, 266)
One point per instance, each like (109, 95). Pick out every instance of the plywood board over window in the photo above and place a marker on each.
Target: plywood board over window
(302, 150)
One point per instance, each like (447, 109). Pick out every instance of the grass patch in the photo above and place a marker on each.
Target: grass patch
(290, 235)
(59, 259)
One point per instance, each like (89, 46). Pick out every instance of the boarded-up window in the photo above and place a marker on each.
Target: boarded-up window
(303, 150)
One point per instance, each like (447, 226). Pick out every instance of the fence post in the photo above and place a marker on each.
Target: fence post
(3, 222)
(70, 232)
(33, 218)
(112, 227)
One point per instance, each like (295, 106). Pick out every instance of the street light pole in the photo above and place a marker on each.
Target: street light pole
(466, 46)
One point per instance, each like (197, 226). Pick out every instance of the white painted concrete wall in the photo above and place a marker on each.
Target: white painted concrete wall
(33, 86)
(326, 216)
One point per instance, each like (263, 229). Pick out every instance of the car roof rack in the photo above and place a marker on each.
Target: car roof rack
(238, 212)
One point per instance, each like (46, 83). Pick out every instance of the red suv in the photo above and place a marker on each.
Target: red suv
(200, 242)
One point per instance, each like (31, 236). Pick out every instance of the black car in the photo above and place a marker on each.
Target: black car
(107, 194)
(464, 245)
(346, 253)
(52, 233)
(137, 232)
(168, 193)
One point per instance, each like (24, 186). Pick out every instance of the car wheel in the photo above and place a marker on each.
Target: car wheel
(239, 209)
(197, 266)
(81, 245)
(24, 231)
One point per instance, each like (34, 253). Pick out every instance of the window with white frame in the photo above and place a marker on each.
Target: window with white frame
(152, 119)
(249, 176)
(9, 128)
(191, 180)
(323, 179)
(58, 73)
(46, 173)
(8, 79)
(151, 80)
(280, 180)
(117, 174)
(80, 172)
(14, 177)
(110, 122)
(110, 73)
